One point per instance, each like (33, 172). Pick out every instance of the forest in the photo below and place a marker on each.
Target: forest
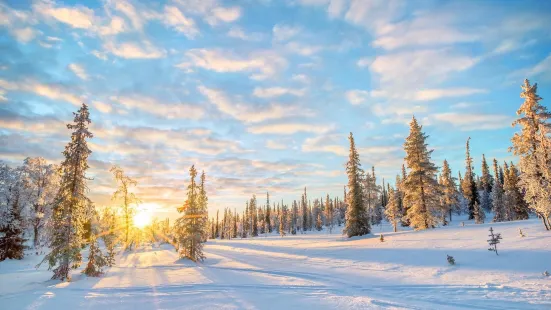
(44, 207)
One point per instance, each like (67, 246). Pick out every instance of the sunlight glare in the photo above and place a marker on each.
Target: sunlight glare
(142, 219)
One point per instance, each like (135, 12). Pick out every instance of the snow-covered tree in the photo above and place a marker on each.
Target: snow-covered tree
(498, 199)
(96, 260)
(329, 214)
(468, 185)
(254, 217)
(421, 190)
(533, 146)
(128, 201)
(189, 228)
(487, 182)
(514, 193)
(41, 182)
(479, 215)
(392, 210)
(71, 203)
(372, 197)
(450, 196)
(12, 241)
(108, 227)
(268, 216)
(357, 218)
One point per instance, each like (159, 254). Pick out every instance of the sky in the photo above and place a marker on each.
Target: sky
(262, 94)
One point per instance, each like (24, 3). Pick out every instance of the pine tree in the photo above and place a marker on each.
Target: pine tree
(479, 215)
(108, 226)
(282, 217)
(449, 188)
(12, 242)
(400, 187)
(304, 206)
(498, 199)
(189, 228)
(520, 205)
(421, 189)
(357, 218)
(329, 214)
(533, 146)
(486, 186)
(96, 260)
(392, 210)
(493, 241)
(469, 185)
(71, 203)
(128, 200)
(268, 214)
(254, 218)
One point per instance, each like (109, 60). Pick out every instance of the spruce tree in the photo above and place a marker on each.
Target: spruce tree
(357, 218)
(533, 146)
(486, 186)
(498, 199)
(254, 217)
(189, 228)
(449, 188)
(520, 208)
(96, 260)
(71, 203)
(268, 213)
(421, 189)
(328, 214)
(392, 210)
(405, 220)
(470, 190)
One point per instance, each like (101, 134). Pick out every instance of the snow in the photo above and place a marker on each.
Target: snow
(316, 270)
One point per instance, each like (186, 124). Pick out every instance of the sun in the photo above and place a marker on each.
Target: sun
(142, 219)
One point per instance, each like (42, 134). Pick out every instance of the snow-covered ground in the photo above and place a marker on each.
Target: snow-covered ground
(313, 271)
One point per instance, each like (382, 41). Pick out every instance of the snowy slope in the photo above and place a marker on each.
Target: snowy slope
(313, 271)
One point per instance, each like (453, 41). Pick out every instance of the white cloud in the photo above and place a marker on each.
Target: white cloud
(51, 91)
(271, 92)
(275, 145)
(133, 50)
(24, 35)
(176, 19)
(282, 32)
(239, 33)
(331, 143)
(301, 78)
(79, 71)
(288, 128)
(157, 107)
(467, 122)
(262, 65)
(100, 55)
(364, 62)
(356, 96)
(79, 17)
(432, 94)
(103, 107)
(222, 14)
(303, 49)
(246, 112)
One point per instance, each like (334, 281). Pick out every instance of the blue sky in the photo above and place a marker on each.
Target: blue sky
(262, 94)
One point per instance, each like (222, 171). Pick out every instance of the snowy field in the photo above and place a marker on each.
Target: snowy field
(313, 271)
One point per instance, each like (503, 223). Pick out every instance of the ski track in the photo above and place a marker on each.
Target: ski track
(310, 271)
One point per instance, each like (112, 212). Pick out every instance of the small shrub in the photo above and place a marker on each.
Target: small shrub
(521, 233)
(451, 260)
(545, 273)
(493, 241)
(382, 238)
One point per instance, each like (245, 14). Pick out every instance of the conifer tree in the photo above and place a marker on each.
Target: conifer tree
(319, 222)
(328, 214)
(304, 206)
(479, 215)
(71, 203)
(216, 226)
(405, 220)
(128, 200)
(282, 216)
(520, 208)
(498, 199)
(470, 190)
(12, 241)
(357, 218)
(189, 228)
(533, 146)
(252, 208)
(392, 210)
(96, 260)
(449, 188)
(486, 186)
(268, 213)
(421, 189)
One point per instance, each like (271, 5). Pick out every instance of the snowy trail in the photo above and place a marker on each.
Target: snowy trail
(313, 271)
